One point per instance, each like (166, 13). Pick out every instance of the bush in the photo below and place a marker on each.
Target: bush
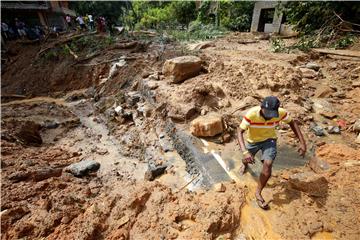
(277, 45)
(197, 31)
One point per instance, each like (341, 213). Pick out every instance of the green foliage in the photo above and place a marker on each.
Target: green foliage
(277, 45)
(236, 16)
(197, 31)
(344, 41)
(310, 16)
(111, 10)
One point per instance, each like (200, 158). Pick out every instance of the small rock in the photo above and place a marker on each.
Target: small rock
(355, 84)
(324, 108)
(182, 68)
(50, 124)
(132, 98)
(207, 126)
(340, 95)
(216, 66)
(333, 130)
(152, 85)
(102, 151)
(323, 91)
(29, 134)
(333, 65)
(46, 173)
(19, 176)
(220, 187)
(166, 145)
(145, 74)
(318, 130)
(226, 138)
(119, 110)
(313, 66)
(308, 73)
(154, 77)
(82, 168)
(203, 112)
(352, 163)
(318, 144)
(318, 165)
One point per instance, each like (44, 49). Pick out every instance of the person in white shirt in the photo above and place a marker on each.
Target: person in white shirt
(91, 22)
(81, 22)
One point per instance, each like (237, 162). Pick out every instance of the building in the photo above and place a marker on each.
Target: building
(266, 18)
(45, 13)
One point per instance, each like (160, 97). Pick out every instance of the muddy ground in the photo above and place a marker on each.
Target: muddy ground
(117, 108)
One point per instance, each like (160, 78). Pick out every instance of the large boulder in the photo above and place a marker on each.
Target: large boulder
(207, 126)
(182, 68)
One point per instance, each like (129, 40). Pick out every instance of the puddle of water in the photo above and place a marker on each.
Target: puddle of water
(113, 156)
(322, 236)
(179, 177)
(230, 154)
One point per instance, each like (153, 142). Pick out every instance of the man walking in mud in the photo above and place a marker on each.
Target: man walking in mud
(259, 124)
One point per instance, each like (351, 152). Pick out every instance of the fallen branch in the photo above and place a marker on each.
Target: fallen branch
(71, 52)
(68, 39)
(12, 96)
(124, 45)
(344, 53)
(107, 61)
(342, 20)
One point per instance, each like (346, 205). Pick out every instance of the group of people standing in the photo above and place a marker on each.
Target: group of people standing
(17, 29)
(86, 22)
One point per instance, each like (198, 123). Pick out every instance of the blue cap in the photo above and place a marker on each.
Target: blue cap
(270, 106)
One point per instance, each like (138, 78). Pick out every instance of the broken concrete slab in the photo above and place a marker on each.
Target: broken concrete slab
(82, 168)
(181, 68)
(207, 126)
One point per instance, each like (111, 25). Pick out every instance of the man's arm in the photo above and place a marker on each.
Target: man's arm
(240, 137)
(295, 128)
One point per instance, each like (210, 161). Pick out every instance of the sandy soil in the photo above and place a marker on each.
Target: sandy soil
(41, 136)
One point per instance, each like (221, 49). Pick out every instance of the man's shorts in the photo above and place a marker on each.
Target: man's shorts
(267, 147)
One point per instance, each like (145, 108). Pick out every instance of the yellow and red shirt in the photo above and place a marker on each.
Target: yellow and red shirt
(258, 129)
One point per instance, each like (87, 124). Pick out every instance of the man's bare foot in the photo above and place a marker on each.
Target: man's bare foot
(260, 201)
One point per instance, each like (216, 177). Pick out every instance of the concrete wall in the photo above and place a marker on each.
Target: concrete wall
(256, 16)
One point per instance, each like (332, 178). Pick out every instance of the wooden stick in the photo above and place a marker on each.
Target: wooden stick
(188, 183)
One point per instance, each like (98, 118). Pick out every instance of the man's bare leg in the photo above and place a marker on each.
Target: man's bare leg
(263, 179)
